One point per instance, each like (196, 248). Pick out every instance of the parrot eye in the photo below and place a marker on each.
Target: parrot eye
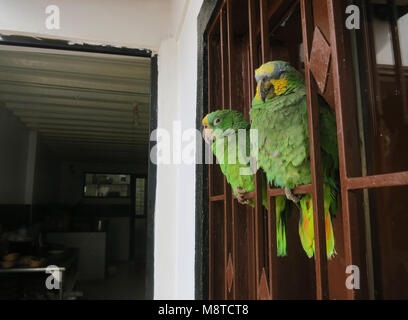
(217, 121)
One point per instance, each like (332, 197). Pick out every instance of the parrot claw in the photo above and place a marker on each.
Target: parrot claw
(290, 196)
(241, 196)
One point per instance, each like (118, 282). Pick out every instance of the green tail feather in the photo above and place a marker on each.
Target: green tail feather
(306, 232)
(282, 212)
(306, 225)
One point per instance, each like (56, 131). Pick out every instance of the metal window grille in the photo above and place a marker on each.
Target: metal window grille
(243, 263)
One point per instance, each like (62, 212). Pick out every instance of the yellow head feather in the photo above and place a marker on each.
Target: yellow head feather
(267, 68)
(257, 96)
(280, 86)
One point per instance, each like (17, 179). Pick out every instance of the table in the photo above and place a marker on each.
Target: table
(61, 263)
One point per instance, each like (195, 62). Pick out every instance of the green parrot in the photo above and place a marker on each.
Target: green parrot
(220, 126)
(279, 113)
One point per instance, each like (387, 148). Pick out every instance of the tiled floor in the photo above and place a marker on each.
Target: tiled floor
(126, 283)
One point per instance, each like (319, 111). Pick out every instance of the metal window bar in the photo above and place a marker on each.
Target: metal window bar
(226, 93)
(213, 199)
(337, 54)
(260, 266)
(322, 282)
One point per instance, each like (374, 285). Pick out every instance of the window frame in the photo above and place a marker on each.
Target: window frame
(107, 173)
(143, 176)
(350, 173)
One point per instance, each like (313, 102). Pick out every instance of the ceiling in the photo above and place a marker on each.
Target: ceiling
(86, 107)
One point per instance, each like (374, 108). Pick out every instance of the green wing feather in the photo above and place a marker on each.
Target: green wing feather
(231, 166)
(283, 139)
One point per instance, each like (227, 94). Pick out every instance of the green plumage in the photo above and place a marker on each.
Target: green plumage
(230, 164)
(226, 125)
(282, 124)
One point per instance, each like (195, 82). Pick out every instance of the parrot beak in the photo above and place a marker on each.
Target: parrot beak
(262, 91)
(208, 134)
(264, 88)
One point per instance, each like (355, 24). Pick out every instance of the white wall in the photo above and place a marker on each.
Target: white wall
(29, 172)
(13, 158)
(165, 249)
(175, 198)
(47, 175)
(131, 23)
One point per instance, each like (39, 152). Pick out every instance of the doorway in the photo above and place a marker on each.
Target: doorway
(85, 109)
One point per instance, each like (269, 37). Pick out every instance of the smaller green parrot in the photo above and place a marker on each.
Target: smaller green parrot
(222, 126)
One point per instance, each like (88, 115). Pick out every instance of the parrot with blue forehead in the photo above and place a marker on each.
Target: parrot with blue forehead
(279, 113)
(219, 128)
